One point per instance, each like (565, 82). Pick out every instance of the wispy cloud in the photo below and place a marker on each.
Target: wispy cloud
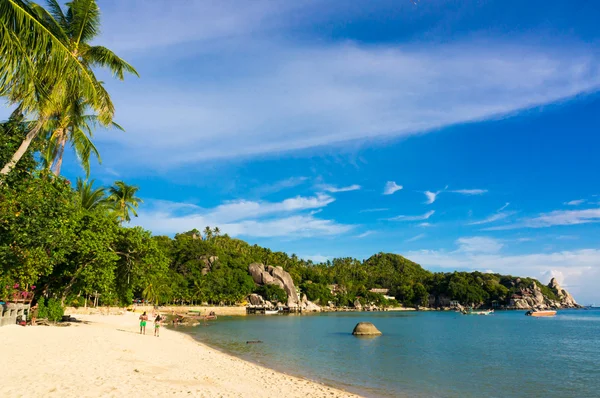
(554, 218)
(373, 210)
(425, 224)
(500, 214)
(281, 185)
(333, 189)
(431, 196)
(575, 202)
(413, 218)
(293, 217)
(365, 234)
(415, 238)
(391, 187)
(479, 244)
(470, 191)
(313, 94)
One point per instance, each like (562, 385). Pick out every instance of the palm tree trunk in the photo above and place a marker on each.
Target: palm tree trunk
(21, 151)
(59, 155)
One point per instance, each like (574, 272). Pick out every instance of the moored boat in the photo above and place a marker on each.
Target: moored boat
(540, 313)
(477, 312)
(271, 312)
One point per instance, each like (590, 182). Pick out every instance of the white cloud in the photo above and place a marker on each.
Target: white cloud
(413, 218)
(281, 185)
(431, 196)
(391, 187)
(415, 238)
(470, 191)
(498, 215)
(575, 202)
(287, 218)
(365, 234)
(555, 218)
(332, 189)
(479, 244)
(425, 224)
(317, 94)
(373, 210)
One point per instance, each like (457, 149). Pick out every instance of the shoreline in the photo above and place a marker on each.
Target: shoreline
(105, 355)
(351, 389)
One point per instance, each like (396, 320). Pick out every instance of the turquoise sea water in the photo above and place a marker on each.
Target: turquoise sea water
(425, 354)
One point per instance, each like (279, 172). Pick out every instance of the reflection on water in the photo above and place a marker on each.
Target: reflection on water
(425, 354)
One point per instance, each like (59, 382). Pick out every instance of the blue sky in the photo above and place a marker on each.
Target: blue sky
(462, 135)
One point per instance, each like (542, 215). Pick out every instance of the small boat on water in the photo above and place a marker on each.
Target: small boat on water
(477, 312)
(540, 313)
(271, 312)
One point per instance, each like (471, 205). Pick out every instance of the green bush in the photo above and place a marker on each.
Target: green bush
(52, 310)
(272, 293)
(55, 310)
(42, 309)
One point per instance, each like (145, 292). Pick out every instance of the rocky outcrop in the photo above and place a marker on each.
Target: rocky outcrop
(209, 262)
(309, 306)
(564, 297)
(357, 305)
(532, 297)
(275, 276)
(365, 329)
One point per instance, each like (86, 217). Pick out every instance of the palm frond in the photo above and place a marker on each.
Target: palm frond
(102, 56)
(85, 22)
(84, 148)
(34, 59)
(57, 13)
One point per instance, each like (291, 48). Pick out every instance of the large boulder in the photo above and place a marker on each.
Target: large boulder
(256, 270)
(275, 276)
(357, 305)
(255, 299)
(365, 329)
(288, 284)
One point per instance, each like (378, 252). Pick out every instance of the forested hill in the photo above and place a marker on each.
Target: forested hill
(214, 268)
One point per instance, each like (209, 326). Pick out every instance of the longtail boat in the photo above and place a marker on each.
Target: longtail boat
(477, 312)
(539, 313)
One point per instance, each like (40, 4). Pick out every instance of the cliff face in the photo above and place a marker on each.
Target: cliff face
(275, 276)
(533, 297)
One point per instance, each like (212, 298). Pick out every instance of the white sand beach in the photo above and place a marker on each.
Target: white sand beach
(107, 357)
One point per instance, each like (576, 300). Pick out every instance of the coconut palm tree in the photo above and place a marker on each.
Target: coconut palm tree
(90, 197)
(47, 69)
(122, 199)
(208, 233)
(216, 231)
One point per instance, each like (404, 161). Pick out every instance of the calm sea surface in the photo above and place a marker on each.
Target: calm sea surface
(425, 354)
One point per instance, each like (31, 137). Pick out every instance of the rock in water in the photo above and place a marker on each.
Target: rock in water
(365, 329)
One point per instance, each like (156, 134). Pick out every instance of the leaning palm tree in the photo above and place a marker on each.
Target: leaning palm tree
(123, 201)
(90, 198)
(46, 68)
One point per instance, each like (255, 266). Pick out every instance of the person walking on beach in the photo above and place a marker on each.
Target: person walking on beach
(143, 320)
(157, 321)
